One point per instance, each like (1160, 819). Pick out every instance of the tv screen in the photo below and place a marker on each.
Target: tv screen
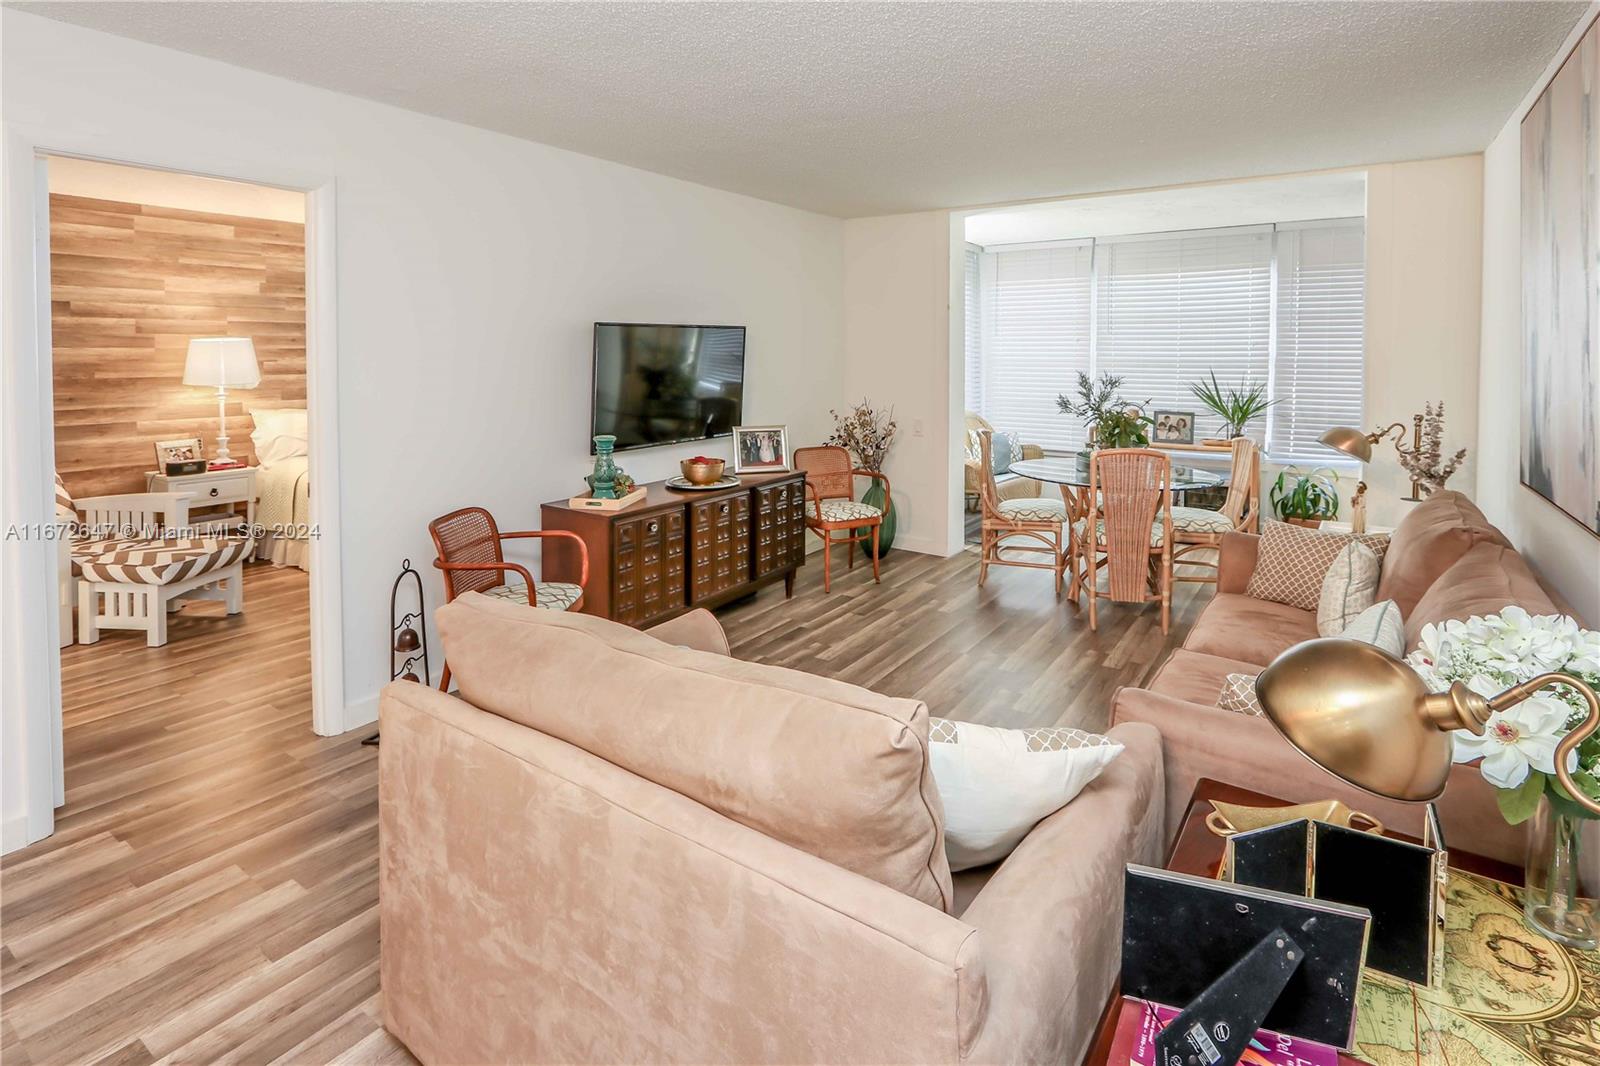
(658, 384)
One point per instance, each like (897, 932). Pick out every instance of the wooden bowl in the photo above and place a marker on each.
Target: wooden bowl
(708, 473)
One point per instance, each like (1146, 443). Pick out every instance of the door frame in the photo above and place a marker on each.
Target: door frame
(30, 656)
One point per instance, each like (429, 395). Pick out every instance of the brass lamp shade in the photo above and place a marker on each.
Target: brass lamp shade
(1349, 440)
(1366, 717)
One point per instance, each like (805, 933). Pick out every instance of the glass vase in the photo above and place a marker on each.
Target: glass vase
(605, 468)
(1560, 891)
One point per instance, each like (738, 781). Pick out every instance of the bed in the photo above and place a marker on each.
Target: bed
(283, 507)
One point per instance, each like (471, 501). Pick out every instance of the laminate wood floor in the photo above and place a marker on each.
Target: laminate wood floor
(210, 893)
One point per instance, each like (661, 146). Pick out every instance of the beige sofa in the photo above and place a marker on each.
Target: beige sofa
(1444, 561)
(612, 849)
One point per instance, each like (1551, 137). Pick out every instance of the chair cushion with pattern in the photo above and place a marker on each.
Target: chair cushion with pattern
(848, 511)
(1158, 533)
(163, 562)
(1032, 510)
(1200, 520)
(550, 595)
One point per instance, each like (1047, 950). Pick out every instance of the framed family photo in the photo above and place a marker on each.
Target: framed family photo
(758, 448)
(1172, 427)
(186, 456)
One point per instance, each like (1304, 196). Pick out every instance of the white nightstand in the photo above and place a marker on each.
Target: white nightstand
(211, 489)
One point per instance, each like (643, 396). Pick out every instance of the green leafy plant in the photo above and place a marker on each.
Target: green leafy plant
(1112, 421)
(1236, 407)
(1305, 497)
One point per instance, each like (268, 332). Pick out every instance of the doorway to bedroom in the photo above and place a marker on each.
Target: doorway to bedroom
(182, 462)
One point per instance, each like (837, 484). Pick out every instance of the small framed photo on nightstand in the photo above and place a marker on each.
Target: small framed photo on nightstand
(185, 456)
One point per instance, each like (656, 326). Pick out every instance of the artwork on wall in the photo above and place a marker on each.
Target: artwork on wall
(1561, 288)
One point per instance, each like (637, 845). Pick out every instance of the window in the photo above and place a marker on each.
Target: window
(1317, 374)
(1280, 306)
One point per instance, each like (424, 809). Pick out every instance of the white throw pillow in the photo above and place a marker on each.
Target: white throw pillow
(996, 784)
(1349, 587)
(1381, 626)
(279, 434)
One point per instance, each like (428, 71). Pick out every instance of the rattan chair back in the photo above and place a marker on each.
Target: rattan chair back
(827, 470)
(468, 536)
(1134, 487)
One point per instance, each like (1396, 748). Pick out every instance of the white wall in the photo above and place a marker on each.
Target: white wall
(1566, 555)
(1424, 272)
(471, 266)
(897, 271)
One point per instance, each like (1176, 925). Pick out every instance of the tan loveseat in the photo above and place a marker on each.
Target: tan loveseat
(612, 849)
(1444, 561)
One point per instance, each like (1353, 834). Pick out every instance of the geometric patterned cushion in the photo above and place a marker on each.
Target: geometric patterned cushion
(1292, 561)
(1032, 510)
(65, 511)
(550, 595)
(1239, 695)
(1158, 532)
(162, 562)
(848, 511)
(86, 549)
(1200, 520)
(1349, 588)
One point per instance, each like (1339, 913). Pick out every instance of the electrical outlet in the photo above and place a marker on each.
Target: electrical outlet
(916, 427)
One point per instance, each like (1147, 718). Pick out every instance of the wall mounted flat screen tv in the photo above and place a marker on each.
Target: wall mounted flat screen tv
(661, 384)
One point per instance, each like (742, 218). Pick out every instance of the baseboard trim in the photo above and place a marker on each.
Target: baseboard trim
(14, 833)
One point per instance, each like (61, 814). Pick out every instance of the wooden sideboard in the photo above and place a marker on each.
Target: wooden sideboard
(673, 550)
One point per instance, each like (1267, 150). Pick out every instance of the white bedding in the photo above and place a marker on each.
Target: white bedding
(283, 513)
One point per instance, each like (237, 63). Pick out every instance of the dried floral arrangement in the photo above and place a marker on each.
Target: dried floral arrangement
(1426, 463)
(865, 432)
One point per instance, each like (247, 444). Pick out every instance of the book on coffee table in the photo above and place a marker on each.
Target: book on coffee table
(1141, 1020)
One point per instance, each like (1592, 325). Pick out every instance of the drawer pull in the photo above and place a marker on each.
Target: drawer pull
(214, 490)
(653, 526)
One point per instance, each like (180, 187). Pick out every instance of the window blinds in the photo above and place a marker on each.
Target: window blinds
(1280, 306)
(1318, 373)
(974, 333)
(1036, 339)
(1171, 310)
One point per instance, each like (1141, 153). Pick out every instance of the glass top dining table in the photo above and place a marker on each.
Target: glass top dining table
(1066, 470)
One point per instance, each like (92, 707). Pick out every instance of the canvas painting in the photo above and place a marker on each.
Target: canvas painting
(1561, 288)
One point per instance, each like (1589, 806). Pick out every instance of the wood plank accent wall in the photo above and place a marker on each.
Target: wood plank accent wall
(130, 284)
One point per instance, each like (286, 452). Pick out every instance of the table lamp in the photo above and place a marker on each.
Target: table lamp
(1357, 444)
(222, 363)
(1367, 718)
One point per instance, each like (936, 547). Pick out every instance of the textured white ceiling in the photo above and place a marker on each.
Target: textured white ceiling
(865, 108)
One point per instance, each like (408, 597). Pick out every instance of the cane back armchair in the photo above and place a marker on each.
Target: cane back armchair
(831, 506)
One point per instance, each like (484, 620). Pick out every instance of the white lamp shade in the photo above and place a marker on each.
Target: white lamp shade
(222, 362)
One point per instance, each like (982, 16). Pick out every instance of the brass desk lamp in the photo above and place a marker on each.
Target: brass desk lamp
(1357, 444)
(1368, 719)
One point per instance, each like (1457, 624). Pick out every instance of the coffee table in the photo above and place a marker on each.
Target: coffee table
(1196, 850)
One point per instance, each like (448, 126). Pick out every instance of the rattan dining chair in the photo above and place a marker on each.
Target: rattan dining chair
(1027, 518)
(831, 506)
(1133, 529)
(469, 549)
(1198, 530)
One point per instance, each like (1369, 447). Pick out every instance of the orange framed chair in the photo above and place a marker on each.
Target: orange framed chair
(1199, 530)
(470, 553)
(831, 506)
(1024, 518)
(1132, 530)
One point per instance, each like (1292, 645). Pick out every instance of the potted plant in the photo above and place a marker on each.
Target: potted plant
(1305, 499)
(1236, 407)
(1111, 421)
(1518, 748)
(867, 433)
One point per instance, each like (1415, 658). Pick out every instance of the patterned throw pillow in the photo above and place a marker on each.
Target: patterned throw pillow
(996, 784)
(1239, 695)
(1292, 561)
(1350, 587)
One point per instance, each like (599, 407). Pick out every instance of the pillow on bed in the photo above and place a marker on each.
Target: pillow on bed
(279, 434)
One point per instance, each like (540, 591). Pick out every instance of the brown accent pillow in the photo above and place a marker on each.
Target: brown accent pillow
(1239, 695)
(1292, 562)
(1428, 541)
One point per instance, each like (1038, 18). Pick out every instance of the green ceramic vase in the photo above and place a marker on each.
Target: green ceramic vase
(874, 497)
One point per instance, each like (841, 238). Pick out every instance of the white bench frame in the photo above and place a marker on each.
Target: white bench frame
(136, 605)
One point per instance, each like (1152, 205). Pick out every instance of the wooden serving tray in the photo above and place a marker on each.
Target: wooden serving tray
(589, 503)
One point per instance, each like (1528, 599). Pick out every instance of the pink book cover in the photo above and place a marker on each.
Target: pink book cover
(1141, 1021)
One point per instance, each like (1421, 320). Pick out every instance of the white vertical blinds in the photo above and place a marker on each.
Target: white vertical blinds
(1321, 321)
(1278, 306)
(1036, 337)
(1174, 309)
(974, 332)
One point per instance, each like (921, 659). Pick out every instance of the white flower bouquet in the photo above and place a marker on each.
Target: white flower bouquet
(1490, 654)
